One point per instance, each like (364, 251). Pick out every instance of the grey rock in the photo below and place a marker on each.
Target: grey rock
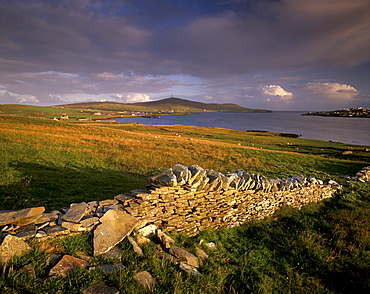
(182, 174)
(66, 265)
(89, 221)
(146, 279)
(108, 202)
(100, 288)
(189, 269)
(184, 255)
(115, 252)
(28, 269)
(124, 197)
(48, 217)
(135, 246)
(201, 253)
(164, 239)
(165, 178)
(21, 217)
(26, 231)
(76, 212)
(110, 268)
(55, 231)
(115, 225)
(12, 246)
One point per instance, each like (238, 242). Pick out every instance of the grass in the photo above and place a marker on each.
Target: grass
(322, 248)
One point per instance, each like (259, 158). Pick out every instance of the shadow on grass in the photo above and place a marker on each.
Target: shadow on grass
(58, 187)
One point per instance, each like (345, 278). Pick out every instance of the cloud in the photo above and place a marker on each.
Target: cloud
(132, 97)
(334, 91)
(277, 93)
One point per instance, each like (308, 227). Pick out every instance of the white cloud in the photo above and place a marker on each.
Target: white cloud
(30, 99)
(335, 91)
(276, 92)
(136, 97)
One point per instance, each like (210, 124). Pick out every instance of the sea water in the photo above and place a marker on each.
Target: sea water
(337, 129)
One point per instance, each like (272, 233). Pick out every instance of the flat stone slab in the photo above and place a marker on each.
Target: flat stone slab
(115, 226)
(66, 265)
(184, 255)
(76, 212)
(101, 288)
(21, 217)
(146, 279)
(12, 246)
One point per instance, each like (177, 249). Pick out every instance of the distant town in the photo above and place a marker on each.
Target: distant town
(346, 112)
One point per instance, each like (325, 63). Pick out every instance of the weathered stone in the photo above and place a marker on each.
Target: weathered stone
(201, 253)
(115, 225)
(12, 246)
(165, 178)
(101, 288)
(26, 231)
(28, 269)
(124, 197)
(146, 279)
(73, 227)
(66, 265)
(165, 240)
(184, 255)
(110, 268)
(148, 231)
(142, 240)
(48, 217)
(55, 231)
(89, 221)
(182, 174)
(189, 269)
(76, 212)
(135, 246)
(115, 252)
(24, 216)
(108, 202)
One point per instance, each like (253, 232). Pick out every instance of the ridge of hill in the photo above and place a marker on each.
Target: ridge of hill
(174, 104)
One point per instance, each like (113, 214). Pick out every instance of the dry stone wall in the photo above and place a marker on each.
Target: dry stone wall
(189, 199)
(180, 199)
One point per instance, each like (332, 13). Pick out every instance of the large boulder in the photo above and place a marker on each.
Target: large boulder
(115, 226)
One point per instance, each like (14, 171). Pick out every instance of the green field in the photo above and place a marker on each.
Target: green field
(322, 248)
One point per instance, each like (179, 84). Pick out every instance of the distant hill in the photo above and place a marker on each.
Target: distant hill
(168, 104)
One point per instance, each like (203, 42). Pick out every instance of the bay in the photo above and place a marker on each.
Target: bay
(338, 129)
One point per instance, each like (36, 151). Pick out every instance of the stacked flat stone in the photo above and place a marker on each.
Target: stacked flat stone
(191, 198)
(181, 198)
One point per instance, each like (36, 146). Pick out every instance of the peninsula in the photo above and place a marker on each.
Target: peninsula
(346, 112)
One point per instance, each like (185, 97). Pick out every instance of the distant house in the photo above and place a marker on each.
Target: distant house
(64, 117)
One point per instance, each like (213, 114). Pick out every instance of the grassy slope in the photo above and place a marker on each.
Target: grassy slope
(323, 248)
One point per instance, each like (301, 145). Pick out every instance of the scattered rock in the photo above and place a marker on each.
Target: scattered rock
(145, 278)
(184, 255)
(101, 288)
(115, 252)
(110, 268)
(28, 269)
(201, 253)
(76, 212)
(189, 269)
(115, 225)
(164, 239)
(12, 246)
(66, 265)
(148, 231)
(135, 246)
(21, 217)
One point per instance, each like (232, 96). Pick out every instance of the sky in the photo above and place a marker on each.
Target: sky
(270, 54)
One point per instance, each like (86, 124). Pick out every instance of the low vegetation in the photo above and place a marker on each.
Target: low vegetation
(322, 248)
